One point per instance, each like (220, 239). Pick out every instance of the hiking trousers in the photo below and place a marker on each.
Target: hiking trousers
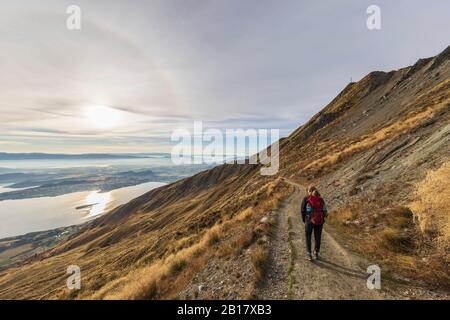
(309, 228)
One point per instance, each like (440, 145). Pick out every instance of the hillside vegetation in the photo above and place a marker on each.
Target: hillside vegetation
(153, 246)
(431, 206)
(379, 153)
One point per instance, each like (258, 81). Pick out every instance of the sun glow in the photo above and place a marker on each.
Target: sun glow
(103, 117)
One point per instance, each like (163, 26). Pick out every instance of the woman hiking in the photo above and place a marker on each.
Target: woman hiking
(313, 214)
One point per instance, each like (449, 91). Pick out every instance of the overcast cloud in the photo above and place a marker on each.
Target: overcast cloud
(163, 64)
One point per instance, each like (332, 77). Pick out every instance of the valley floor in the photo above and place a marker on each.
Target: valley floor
(338, 274)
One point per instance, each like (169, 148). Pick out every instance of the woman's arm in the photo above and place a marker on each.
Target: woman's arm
(303, 209)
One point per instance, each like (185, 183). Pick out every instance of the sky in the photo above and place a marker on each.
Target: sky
(138, 70)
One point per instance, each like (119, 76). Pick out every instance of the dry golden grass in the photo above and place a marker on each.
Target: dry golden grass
(395, 129)
(213, 238)
(162, 278)
(395, 239)
(154, 246)
(432, 206)
(9, 253)
(399, 233)
(259, 259)
(390, 236)
(165, 278)
(376, 221)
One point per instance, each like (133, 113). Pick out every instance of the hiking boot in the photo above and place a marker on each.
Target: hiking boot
(316, 255)
(308, 257)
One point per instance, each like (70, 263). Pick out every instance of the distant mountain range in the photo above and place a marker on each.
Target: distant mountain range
(50, 156)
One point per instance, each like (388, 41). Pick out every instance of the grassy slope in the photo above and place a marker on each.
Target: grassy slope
(367, 150)
(386, 134)
(152, 246)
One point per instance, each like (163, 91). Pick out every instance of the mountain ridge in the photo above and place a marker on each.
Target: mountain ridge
(369, 150)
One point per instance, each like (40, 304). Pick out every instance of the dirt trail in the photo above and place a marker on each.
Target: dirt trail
(338, 274)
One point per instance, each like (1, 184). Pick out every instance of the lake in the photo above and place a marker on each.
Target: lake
(39, 214)
(30, 214)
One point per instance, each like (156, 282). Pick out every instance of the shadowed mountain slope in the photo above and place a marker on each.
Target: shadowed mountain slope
(370, 151)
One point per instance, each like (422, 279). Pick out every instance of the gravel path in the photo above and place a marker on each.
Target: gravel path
(275, 284)
(338, 274)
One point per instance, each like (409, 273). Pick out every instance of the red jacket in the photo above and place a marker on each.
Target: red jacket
(316, 209)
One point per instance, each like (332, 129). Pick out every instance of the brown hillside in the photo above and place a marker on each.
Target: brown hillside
(376, 147)
(374, 151)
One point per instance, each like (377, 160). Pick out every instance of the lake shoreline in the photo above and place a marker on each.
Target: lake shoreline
(20, 217)
(15, 249)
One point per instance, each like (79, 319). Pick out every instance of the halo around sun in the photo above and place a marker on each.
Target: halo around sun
(103, 117)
